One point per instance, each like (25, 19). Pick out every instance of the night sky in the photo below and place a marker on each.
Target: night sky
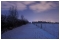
(34, 10)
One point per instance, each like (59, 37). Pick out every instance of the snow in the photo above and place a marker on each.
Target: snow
(53, 29)
(28, 31)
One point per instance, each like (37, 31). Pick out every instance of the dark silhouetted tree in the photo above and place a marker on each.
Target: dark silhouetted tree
(11, 21)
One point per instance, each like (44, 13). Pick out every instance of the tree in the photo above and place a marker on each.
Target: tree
(22, 17)
(11, 21)
(12, 17)
(13, 12)
(3, 23)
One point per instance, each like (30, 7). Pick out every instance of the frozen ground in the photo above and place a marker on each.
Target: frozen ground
(28, 31)
(53, 29)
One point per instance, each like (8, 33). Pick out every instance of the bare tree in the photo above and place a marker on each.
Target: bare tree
(13, 12)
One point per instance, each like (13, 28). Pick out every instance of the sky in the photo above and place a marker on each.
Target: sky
(33, 10)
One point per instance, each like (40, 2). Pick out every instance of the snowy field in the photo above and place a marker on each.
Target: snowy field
(31, 31)
(50, 28)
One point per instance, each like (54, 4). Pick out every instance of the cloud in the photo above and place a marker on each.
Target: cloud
(5, 5)
(28, 2)
(42, 6)
(22, 5)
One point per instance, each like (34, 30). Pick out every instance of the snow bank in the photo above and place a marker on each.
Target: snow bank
(50, 28)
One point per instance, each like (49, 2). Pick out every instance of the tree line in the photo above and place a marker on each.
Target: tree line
(11, 21)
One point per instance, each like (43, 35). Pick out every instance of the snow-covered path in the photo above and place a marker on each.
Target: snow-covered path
(28, 31)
